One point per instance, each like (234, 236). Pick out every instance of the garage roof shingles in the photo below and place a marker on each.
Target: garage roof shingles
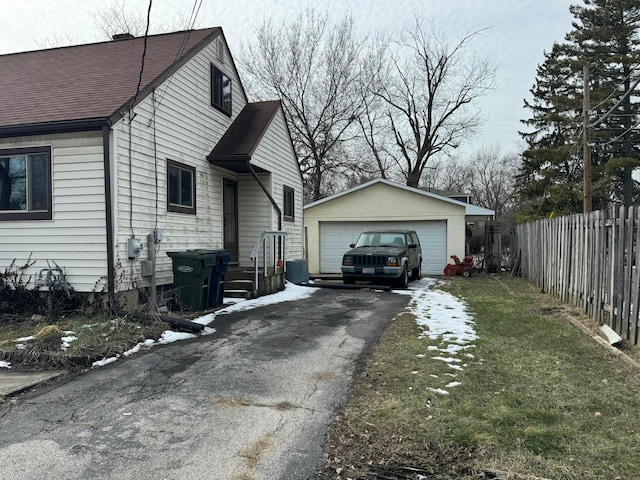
(86, 82)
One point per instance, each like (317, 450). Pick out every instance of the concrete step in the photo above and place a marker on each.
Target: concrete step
(239, 285)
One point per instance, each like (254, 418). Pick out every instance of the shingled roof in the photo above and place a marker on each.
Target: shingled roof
(241, 139)
(89, 82)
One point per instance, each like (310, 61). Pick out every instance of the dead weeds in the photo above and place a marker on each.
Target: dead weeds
(72, 343)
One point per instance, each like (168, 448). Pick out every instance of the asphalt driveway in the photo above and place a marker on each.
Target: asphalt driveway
(252, 401)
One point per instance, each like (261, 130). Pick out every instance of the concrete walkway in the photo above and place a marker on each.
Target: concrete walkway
(16, 382)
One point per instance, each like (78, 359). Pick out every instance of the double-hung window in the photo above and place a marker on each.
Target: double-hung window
(289, 204)
(181, 182)
(220, 90)
(25, 184)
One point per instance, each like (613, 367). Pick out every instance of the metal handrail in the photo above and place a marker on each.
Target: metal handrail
(261, 244)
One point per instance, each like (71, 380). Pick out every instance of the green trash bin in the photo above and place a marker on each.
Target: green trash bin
(218, 274)
(192, 276)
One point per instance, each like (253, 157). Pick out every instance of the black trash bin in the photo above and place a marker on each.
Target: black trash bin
(192, 273)
(218, 274)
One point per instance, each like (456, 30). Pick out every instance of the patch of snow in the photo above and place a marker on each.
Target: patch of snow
(448, 359)
(4, 364)
(169, 336)
(206, 320)
(443, 318)
(104, 361)
(25, 339)
(453, 384)
(290, 293)
(147, 343)
(66, 341)
(439, 390)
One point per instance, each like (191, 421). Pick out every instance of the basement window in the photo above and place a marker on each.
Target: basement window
(181, 194)
(25, 184)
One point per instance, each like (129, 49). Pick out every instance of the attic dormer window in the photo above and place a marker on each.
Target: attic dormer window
(220, 90)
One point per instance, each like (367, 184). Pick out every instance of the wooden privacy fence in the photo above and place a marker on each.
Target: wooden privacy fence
(586, 260)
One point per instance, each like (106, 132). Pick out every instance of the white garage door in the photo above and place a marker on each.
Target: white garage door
(335, 238)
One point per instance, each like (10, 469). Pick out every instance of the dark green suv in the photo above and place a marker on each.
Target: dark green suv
(387, 255)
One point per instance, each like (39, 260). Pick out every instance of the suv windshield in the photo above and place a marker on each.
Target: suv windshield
(381, 239)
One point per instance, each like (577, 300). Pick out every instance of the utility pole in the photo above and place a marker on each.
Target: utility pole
(586, 148)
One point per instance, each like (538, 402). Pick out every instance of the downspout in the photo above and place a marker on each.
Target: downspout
(106, 151)
(273, 202)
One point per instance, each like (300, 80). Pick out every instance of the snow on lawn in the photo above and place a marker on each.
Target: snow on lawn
(443, 319)
(291, 292)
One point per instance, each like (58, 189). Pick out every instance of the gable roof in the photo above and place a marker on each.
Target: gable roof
(470, 210)
(89, 82)
(243, 136)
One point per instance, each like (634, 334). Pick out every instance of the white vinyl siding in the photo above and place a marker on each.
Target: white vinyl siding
(187, 128)
(276, 154)
(75, 238)
(253, 214)
(176, 122)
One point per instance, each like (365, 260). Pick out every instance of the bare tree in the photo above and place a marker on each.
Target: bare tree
(116, 18)
(315, 67)
(491, 175)
(55, 40)
(428, 96)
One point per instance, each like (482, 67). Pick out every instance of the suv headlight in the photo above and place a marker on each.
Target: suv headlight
(347, 260)
(392, 261)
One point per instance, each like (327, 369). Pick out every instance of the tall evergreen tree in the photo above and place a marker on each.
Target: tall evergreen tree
(605, 37)
(552, 163)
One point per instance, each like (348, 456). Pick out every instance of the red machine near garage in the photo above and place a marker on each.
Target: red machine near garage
(464, 268)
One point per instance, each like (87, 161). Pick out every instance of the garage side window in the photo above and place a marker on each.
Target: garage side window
(25, 184)
(289, 204)
(181, 185)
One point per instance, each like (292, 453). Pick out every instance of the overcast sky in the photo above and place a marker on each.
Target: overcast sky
(517, 34)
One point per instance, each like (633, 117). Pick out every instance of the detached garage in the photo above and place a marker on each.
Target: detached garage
(333, 223)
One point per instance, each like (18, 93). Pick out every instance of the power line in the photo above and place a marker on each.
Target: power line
(183, 45)
(144, 54)
(615, 89)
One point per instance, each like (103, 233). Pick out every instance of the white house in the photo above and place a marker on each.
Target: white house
(335, 222)
(97, 150)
